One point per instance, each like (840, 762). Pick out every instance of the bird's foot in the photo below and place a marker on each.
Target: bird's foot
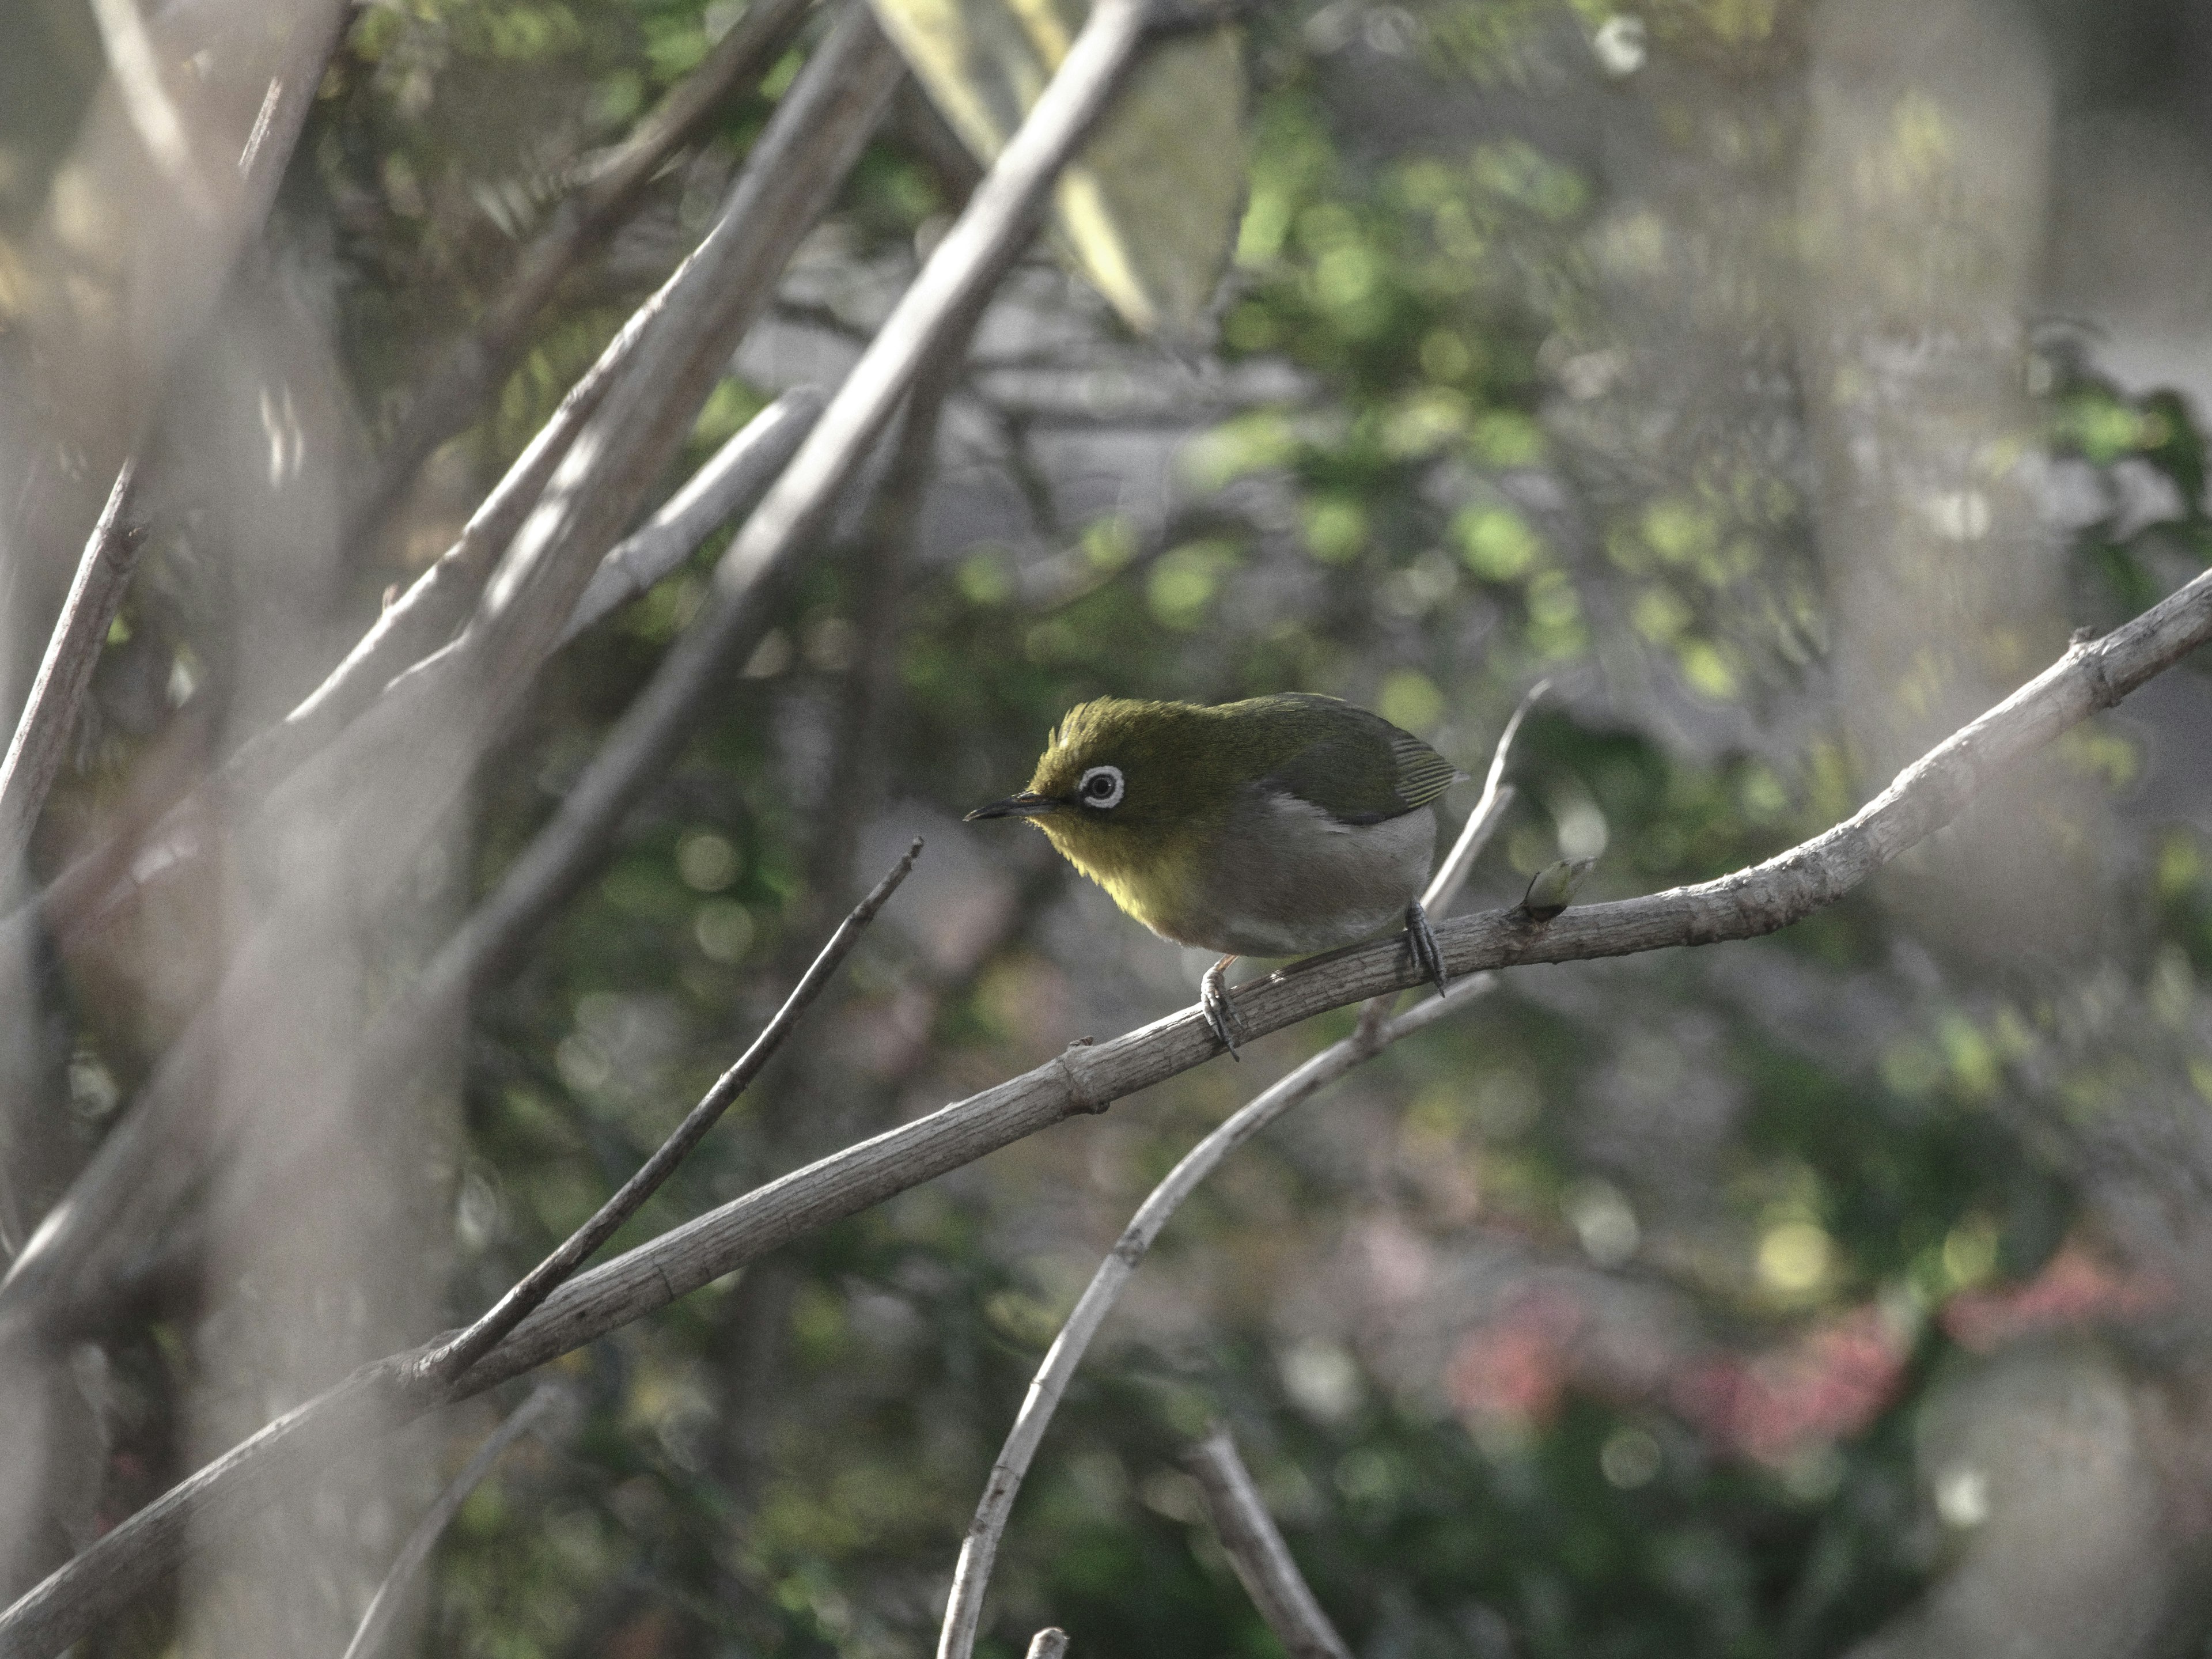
(1427, 954)
(1220, 1013)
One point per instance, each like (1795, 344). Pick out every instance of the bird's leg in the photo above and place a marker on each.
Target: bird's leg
(1422, 938)
(1220, 1013)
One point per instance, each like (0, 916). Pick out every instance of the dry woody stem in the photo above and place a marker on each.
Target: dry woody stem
(2093, 675)
(456, 1357)
(1255, 1548)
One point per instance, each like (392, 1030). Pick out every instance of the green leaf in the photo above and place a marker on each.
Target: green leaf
(1149, 213)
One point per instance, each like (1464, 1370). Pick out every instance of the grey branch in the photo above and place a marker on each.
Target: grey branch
(420, 735)
(1255, 1548)
(611, 188)
(1050, 1643)
(2092, 676)
(979, 1550)
(373, 1633)
(110, 552)
(42, 734)
(964, 268)
(739, 470)
(449, 1361)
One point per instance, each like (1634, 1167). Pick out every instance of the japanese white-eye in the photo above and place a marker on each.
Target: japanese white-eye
(1278, 826)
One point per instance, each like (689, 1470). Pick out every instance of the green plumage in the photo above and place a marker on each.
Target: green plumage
(1355, 766)
(1272, 827)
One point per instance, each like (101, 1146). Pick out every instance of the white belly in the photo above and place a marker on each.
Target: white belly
(1291, 879)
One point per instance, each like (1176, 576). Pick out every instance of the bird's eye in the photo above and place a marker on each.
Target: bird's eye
(1101, 787)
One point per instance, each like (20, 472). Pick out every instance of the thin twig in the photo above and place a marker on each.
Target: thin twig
(2093, 675)
(612, 185)
(963, 1610)
(374, 1630)
(110, 553)
(419, 736)
(447, 1363)
(1255, 1548)
(42, 734)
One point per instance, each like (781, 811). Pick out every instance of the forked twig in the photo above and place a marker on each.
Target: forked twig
(2094, 674)
(1376, 1031)
(447, 1361)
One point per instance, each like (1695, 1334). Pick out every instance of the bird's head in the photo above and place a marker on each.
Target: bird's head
(1120, 781)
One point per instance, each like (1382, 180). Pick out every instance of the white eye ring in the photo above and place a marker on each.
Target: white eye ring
(1101, 787)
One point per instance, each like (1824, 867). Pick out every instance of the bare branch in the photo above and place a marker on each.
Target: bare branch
(467, 371)
(963, 1610)
(739, 470)
(110, 553)
(374, 1630)
(2093, 675)
(989, 235)
(419, 737)
(1255, 1548)
(449, 1361)
(1050, 1643)
(42, 734)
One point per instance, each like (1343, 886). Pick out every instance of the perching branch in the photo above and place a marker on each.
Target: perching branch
(42, 734)
(963, 1608)
(1050, 1643)
(374, 1630)
(2092, 676)
(1255, 1548)
(469, 370)
(455, 1358)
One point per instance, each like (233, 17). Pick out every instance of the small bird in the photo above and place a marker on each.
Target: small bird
(1277, 826)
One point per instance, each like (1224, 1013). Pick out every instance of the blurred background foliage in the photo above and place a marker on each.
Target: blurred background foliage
(1680, 1305)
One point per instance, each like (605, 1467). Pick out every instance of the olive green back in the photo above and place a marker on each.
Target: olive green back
(1184, 761)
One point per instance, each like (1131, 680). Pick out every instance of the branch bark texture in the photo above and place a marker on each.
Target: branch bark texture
(2093, 675)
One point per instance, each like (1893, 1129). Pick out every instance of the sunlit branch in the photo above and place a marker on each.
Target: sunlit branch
(2093, 675)
(471, 368)
(42, 734)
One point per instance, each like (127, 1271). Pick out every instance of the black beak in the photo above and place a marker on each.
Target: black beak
(1027, 805)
